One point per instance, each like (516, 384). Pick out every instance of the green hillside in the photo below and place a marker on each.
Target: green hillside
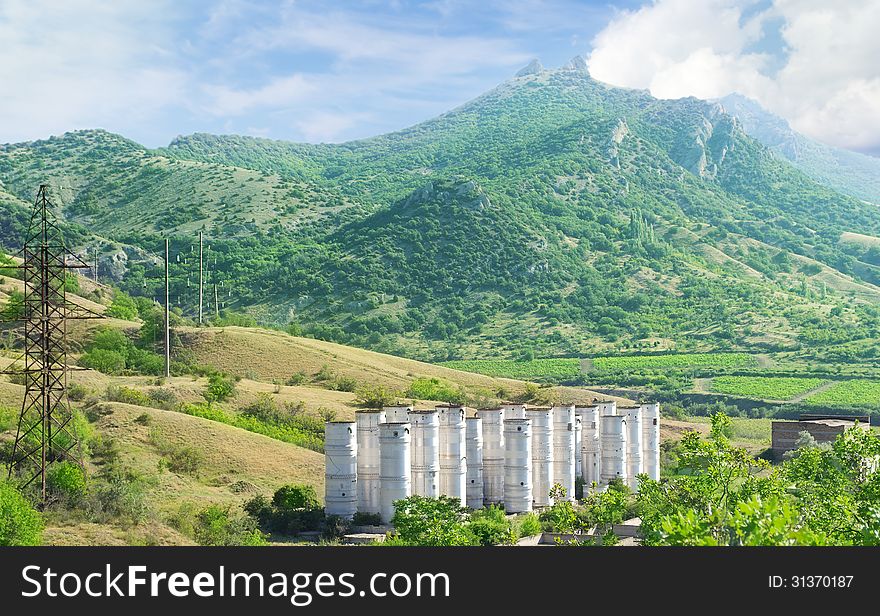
(553, 215)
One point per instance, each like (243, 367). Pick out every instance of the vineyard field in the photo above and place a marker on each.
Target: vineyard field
(535, 369)
(764, 387)
(860, 392)
(676, 360)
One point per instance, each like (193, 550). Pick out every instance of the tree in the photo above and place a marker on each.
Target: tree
(432, 521)
(220, 388)
(20, 523)
(122, 307)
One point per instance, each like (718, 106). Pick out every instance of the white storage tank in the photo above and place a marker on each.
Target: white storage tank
(340, 468)
(453, 453)
(651, 440)
(608, 407)
(590, 449)
(578, 447)
(474, 451)
(542, 455)
(563, 448)
(368, 459)
(517, 465)
(514, 411)
(493, 455)
(633, 443)
(397, 414)
(395, 466)
(613, 445)
(425, 447)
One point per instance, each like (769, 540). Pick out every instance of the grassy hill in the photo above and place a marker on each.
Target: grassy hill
(553, 215)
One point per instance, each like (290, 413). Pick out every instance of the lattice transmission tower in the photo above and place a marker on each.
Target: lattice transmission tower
(45, 432)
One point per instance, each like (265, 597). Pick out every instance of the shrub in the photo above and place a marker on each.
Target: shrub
(127, 395)
(432, 521)
(528, 525)
(184, 459)
(143, 419)
(163, 398)
(491, 527)
(102, 360)
(216, 526)
(375, 396)
(20, 523)
(77, 392)
(123, 496)
(366, 519)
(434, 389)
(122, 307)
(296, 497)
(344, 383)
(66, 480)
(220, 388)
(297, 379)
(292, 510)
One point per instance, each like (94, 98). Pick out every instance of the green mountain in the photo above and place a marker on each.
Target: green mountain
(851, 173)
(552, 215)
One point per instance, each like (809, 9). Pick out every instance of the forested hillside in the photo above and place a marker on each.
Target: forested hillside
(554, 215)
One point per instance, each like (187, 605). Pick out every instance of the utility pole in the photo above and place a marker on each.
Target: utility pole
(167, 316)
(216, 303)
(96, 264)
(201, 276)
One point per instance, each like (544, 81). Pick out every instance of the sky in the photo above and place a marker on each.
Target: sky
(331, 71)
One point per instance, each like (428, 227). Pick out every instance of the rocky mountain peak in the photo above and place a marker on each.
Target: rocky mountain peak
(532, 68)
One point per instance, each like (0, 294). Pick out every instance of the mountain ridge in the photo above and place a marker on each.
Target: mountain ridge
(553, 214)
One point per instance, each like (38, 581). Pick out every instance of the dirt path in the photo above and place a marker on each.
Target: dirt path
(815, 390)
(703, 386)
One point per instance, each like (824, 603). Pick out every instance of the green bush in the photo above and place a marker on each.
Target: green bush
(528, 525)
(216, 526)
(366, 519)
(220, 388)
(292, 510)
(122, 307)
(435, 389)
(66, 480)
(20, 523)
(424, 521)
(490, 526)
(127, 395)
(375, 396)
(102, 360)
(297, 379)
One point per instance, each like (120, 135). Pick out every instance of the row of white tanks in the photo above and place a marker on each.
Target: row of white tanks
(511, 455)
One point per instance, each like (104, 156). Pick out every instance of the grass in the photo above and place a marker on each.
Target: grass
(857, 392)
(747, 432)
(675, 360)
(764, 387)
(529, 370)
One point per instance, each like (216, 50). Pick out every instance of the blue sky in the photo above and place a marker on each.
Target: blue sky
(332, 71)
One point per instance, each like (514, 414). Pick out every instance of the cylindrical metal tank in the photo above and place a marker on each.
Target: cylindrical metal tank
(397, 414)
(395, 466)
(340, 468)
(613, 444)
(368, 459)
(453, 454)
(474, 451)
(651, 440)
(607, 408)
(563, 448)
(493, 455)
(633, 443)
(590, 450)
(425, 446)
(542, 455)
(514, 411)
(517, 465)
(578, 447)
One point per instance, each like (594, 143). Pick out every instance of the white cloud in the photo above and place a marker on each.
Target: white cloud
(82, 64)
(828, 85)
